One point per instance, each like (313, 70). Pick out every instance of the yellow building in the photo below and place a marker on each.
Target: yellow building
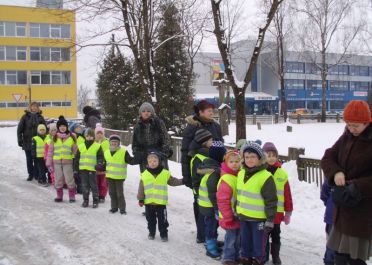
(37, 60)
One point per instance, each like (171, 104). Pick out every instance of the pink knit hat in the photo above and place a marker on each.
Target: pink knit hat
(99, 128)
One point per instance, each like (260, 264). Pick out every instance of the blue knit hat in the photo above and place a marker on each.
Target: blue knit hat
(217, 151)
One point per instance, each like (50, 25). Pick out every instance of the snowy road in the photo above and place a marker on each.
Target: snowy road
(35, 230)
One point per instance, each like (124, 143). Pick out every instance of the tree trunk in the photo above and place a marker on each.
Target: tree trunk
(283, 101)
(240, 116)
(323, 73)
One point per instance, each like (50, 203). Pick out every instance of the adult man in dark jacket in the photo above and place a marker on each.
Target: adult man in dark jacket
(27, 128)
(92, 117)
(150, 134)
(203, 119)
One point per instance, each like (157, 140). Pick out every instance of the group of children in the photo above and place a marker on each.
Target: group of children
(246, 192)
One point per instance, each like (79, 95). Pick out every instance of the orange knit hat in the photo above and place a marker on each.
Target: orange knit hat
(357, 111)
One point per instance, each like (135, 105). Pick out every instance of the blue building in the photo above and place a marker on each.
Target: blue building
(349, 80)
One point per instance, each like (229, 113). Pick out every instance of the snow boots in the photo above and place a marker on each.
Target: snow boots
(212, 249)
(85, 204)
(245, 261)
(164, 239)
(275, 249)
(71, 194)
(101, 199)
(95, 202)
(59, 197)
(151, 237)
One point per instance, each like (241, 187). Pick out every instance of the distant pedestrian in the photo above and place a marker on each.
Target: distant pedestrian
(27, 128)
(92, 117)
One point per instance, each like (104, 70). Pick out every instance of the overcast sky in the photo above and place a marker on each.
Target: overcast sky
(88, 59)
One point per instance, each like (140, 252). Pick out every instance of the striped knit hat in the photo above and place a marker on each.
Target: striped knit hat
(202, 135)
(114, 137)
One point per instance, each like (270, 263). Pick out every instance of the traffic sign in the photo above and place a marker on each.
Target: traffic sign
(17, 97)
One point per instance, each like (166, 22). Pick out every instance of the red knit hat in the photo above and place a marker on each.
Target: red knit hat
(357, 111)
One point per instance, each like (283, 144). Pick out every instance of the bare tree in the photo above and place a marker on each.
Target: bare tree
(325, 26)
(224, 35)
(82, 97)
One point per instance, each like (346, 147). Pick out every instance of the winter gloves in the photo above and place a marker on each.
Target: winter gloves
(100, 167)
(187, 182)
(287, 218)
(346, 196)
(268, 226)
(141, 203)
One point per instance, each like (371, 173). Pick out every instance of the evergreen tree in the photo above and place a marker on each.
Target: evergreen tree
(174, 85)
(118, 92)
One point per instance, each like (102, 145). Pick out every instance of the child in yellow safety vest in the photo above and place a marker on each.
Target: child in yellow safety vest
(256, 204)
(60, 158)
(37, 152)
(117, 158)
(101, 176)
(199, 148)
(285, 205)
(153, 193)
(48, 139)
(77, 130)
(226, 200)
(207, 200)
(87, 158)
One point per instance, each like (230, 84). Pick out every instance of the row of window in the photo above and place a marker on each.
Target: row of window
(45, 54)
(36, 30)
(331, 85)
(310, 68)
(44, 104)
(315, 105)
(37, 77)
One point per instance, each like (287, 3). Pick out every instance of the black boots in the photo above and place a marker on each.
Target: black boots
(275, 249)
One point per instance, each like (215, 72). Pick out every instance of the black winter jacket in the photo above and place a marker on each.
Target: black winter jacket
(92, 118)
(151, 135)
(193, 124)
(212, 166)
(27, 128)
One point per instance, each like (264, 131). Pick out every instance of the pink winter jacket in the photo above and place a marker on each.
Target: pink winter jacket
(224, 196)
(49, 161)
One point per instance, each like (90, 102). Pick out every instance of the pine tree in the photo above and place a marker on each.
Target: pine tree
(118, 92)
(174, 85)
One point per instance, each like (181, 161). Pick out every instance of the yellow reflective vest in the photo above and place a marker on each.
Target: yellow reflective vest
(201, 158)
(249, 199)
(230, 180)
(80, 139)
(156, 189)
(48, 139)
(105, 145)
(116, 168)
(88, 157)
(203, 198)
(63, 150)
(39, 146)
(280, 179)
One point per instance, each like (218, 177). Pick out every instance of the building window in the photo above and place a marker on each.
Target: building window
(339, 85)
(312, 68)
(12, 29)
(50, 78)
(294, 84)
(294, 67)
(359, 70)
(44, 104)
(337, 105)
(12, 53)
(47, 54)
(35, 77)
(359, 86)
(314, 84)
(13, 77)
(338, 70)
(55, 31)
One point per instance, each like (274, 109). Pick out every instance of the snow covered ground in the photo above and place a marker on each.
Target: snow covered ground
(35, 230)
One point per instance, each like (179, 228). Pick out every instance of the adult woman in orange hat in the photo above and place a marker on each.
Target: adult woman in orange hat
(348, 167)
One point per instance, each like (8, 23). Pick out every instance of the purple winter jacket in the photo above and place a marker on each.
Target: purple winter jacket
(326, 197)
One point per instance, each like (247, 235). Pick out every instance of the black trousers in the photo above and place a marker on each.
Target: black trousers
(41, 169)
(89, 183)
(31, 168)
(116, 192)
(157, 213)
(275, 239)
(199, 220)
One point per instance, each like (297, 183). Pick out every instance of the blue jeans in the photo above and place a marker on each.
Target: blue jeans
(329, 255)
(253, 240)
(231, 245)
(211, 225)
